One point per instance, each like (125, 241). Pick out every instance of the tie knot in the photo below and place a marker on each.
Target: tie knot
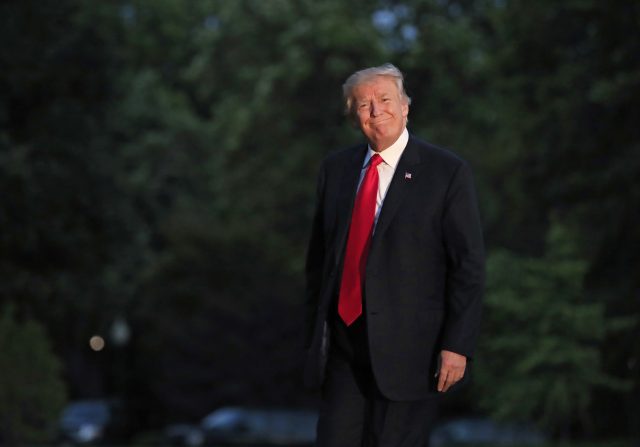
(376, 160)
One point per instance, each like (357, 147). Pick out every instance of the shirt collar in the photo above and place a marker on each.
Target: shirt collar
(392, 154)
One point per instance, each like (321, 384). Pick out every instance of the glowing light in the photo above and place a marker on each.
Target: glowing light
(96, 343)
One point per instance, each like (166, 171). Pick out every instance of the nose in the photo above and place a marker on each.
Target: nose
(375, 108)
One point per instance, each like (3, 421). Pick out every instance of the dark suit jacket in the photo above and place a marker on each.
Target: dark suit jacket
(425, 271)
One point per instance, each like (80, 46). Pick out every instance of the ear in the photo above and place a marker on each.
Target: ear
(405, 108)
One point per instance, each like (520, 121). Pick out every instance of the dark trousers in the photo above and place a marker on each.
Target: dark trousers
(353, 411)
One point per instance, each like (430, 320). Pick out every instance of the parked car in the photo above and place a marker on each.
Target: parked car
(260, 427)
(480, 431)
(92, 422)
(184, 435)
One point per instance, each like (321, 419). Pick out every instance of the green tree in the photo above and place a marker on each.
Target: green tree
(32, 392)
(566, 77)
(540, 358)
(204, 123)
(65, 221)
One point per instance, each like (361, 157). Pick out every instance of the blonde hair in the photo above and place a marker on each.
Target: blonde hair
(366, 75)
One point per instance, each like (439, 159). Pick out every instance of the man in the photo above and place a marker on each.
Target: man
(395, 273)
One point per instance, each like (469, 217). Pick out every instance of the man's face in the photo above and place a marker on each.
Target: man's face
(380, 110)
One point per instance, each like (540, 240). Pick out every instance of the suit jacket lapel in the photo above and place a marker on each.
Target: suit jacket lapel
(398, 189)
(347, 194)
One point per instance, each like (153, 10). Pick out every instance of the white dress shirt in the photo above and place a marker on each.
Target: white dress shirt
(386, 169)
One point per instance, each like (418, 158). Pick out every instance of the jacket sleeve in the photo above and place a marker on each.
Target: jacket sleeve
(314, 262)
(464, 248)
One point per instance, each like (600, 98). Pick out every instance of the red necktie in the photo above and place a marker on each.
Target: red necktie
(355, 258)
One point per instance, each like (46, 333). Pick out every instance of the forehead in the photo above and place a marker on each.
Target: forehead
(377, 86)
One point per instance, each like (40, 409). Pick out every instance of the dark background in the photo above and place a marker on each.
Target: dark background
(157, 169)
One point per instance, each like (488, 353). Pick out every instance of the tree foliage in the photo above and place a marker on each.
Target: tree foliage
(32, 392)
(541, 357)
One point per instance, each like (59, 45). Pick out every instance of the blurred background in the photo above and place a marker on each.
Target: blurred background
(157, 172)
